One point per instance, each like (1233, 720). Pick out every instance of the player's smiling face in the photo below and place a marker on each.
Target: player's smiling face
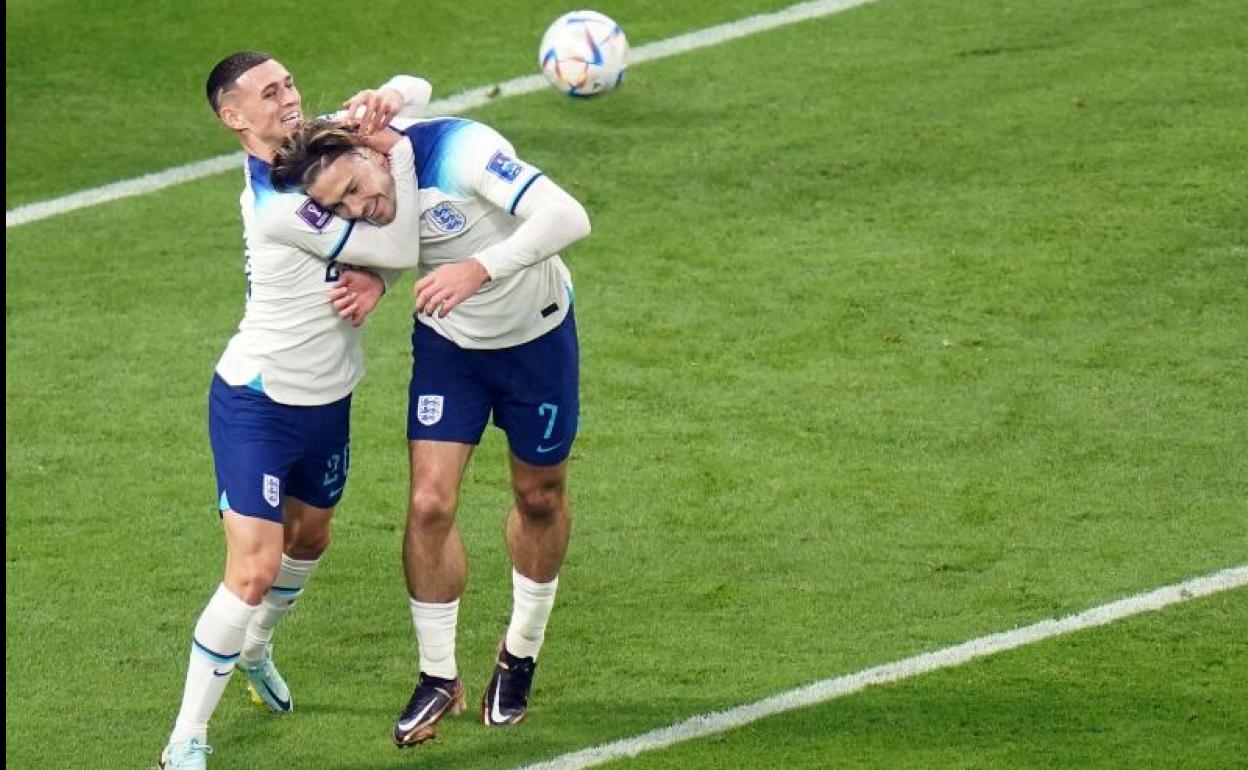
(357, 185)
(267, 103)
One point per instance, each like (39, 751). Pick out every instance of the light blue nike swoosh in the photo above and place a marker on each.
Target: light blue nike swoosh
(335, 492)
(541, 450)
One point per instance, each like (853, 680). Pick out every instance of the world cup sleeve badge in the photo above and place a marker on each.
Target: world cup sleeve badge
(504, 167)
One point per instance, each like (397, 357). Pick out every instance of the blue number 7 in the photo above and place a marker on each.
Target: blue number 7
(550, 424)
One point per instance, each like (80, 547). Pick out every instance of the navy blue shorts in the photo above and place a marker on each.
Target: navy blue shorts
(532, 391)
(264, 450)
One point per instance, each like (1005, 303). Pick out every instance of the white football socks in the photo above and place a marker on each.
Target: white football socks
(531, 606)
(214, 651)
(435, 636)
(277, 603)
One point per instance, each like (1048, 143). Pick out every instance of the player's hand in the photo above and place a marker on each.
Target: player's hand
(449, 285)
(370, 110)
(356, 294)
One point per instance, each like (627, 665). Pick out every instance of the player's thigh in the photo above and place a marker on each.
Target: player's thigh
(306, 529)
(538, 403)
(447, 400)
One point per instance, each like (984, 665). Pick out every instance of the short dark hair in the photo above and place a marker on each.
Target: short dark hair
(223, 76)
(306, 153)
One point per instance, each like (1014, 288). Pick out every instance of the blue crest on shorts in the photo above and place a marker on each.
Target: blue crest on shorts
(504, 167)
(446, 218)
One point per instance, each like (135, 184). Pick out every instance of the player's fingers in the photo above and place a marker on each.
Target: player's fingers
(384, 115)
(352, 108)
(424, 300)
(447, 303)
(370, 120)
(439, 302)
(368, 113)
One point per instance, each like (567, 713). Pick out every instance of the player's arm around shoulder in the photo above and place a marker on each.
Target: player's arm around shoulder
(402, 96)
(552, 220)
(296, 220)
(547, 199)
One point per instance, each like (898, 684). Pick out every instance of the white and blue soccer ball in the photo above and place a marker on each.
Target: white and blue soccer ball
(584, 53)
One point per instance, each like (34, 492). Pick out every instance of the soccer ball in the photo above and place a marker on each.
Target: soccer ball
(583, 54)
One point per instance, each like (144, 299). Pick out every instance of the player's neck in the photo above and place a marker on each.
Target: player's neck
(260, 149)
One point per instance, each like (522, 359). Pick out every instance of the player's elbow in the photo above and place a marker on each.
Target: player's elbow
(416, 92)
(576, 219)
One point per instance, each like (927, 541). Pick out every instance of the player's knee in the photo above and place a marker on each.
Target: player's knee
(541, 502)
(430, 509)
(253, 576)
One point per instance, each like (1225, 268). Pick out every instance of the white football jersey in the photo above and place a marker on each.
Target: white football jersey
(291, 344)
(470, 184)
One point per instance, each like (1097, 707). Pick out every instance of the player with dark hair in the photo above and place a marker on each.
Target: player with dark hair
(280, 400)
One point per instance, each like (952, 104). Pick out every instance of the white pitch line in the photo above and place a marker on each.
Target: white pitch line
(830, 689)
(461, 102)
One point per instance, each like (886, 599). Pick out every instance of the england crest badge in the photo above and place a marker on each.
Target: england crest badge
(429, 409)
(445, 218)
(272, 490)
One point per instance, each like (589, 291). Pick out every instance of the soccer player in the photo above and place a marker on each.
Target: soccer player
(494, 336)
(280, 399)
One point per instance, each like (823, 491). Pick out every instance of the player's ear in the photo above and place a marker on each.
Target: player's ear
(373, 154)
(369, 155)
(232, 117)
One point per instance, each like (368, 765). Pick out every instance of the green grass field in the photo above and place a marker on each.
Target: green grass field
(899, 327)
